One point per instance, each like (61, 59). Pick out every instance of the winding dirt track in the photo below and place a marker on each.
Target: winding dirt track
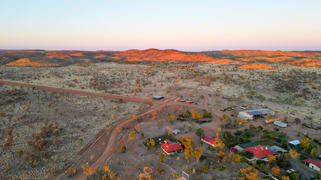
(86, 93)
(121, 123)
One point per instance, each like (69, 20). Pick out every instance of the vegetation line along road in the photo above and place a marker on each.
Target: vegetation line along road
(60, 90)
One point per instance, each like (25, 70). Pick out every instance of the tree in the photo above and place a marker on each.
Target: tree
(187, 114)
(224, 118)
(198, 153)
(313, 151)
(146, 175)
(162, 157)
(150, 142)
(285, 178)
(249, 173)
(200, 132)
(306, 142)
(87, 169)
(194, 114)
(132, 134)
(206, 114)
(276, 171)
(293, 154)
(294, 176)
(123, 149)
(172, 117)
(188, 144)
(271, 158)
(218, 142)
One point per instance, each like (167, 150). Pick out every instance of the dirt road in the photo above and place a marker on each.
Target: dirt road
(112, 139)
(79, 92)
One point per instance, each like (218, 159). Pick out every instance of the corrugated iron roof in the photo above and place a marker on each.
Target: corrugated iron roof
(258, 111)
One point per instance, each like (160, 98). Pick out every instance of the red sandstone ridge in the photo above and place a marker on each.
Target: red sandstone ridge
(160, 55)
(27, 62)
(222, 61)
(256, 66)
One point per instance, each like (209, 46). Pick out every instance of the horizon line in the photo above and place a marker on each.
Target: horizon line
(145, 49)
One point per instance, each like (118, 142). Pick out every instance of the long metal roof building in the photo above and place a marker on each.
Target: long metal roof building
(251, 114)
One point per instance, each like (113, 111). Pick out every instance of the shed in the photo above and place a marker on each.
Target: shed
(203, 120)
(158, 97)
(181, 118)
(280, 124)
(237, 149)
(255, 113)
(278, 149)
(176, 131)
(294, 143)
(208, 140)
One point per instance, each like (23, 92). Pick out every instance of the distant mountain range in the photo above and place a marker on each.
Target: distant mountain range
(64, 58)
(3, 50)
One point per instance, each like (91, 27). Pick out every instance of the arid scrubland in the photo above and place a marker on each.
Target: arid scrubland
(44, 133)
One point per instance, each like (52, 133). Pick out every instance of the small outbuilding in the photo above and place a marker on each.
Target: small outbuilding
(280, 124)
(313, 164)
(204, 120)
(158, 97)
(294, 143)
(181, 118)
(237, 149)
(176, 131)
(278, 149)
(208, 140)
(255, 113)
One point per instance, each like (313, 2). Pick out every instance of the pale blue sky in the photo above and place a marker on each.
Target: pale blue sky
(180, 24)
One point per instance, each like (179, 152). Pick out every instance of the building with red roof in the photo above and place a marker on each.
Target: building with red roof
(170, 147)
(208, 140)
(313, 164)
(260, 152)
(203, 120)
(181, 118)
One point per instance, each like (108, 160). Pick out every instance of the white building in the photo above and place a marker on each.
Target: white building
(313, 164)
(280, 124)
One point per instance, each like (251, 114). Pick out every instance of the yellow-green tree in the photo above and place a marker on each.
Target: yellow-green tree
(132, 134)
(293, 154)
(218, 142)
(150, 143)
(187, 142)
(198, 153)
(276, 171)
(306, 142)
(271, 158)
(162, 157)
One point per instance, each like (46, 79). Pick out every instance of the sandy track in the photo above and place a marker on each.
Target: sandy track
(109, 149)
(121, 123)
(86, 93)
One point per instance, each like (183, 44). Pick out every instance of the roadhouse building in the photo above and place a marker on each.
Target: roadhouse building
(255, 113)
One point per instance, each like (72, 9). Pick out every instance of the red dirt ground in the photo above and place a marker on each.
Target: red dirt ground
(160, 55)
(256, 66)
(222, 61)
(27, 62)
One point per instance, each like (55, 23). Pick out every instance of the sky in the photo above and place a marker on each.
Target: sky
(191, 25)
